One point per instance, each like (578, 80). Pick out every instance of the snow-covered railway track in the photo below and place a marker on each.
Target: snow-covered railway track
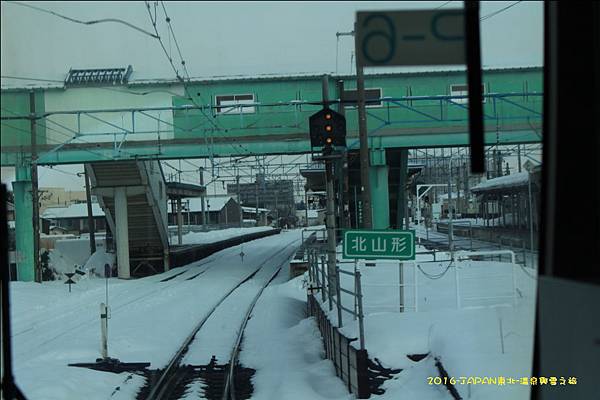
(54, 331)
(175, 376)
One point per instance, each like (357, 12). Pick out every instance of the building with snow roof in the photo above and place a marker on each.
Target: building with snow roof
(221, 211)
(72, 219)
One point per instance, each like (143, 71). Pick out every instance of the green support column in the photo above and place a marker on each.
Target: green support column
(380, 198)
(401, 204)
(23, 225)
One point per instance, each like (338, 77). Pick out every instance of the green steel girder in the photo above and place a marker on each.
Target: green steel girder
(287, 144)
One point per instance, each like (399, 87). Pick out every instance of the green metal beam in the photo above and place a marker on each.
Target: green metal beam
(174, 149)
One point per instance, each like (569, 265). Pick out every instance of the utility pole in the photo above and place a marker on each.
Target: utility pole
(91, 225)
(343, 166)
(364, 142)
(450, 213)
(202, 205)
(237, 182)
(256, 197)
(34, 192)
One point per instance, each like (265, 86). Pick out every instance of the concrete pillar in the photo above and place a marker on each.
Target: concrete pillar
(23, 225)
(380, 199)
(122, 234)
(166, 260)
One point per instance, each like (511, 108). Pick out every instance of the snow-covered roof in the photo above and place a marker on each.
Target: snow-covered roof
(276, 76)
(24, 84)
(78, 210)
(253, 209)
(215, 203)
(502, 182)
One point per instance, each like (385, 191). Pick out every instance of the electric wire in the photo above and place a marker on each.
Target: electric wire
(180, 78)
(92, 22)
(26, 78)
(23, 78)
(492, 14)
(448, 2)
(435, 276)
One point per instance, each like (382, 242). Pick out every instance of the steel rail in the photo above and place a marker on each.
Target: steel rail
(162, 386)
(229, 390)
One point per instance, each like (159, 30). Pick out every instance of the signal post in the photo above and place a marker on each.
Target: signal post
(327, 131)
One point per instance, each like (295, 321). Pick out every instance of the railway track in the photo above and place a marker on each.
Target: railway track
(122, 302)
(173, 380)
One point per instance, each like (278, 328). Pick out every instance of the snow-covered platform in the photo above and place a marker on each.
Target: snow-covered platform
(424, 320)
(212, 242)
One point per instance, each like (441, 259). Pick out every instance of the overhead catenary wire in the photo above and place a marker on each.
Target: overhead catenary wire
(492, 14)
(77, 21)
(443, 5)
(179, 77)
(168, 20)
(24, 78)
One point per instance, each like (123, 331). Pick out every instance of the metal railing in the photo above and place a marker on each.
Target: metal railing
(412, 278)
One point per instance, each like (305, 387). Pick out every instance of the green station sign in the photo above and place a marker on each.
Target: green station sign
(371, 244)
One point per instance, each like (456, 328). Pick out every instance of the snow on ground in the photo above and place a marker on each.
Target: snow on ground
(286, 349)
(486, 335)
(217, 235)
(149, 319)
(507, 220)
(481, 334)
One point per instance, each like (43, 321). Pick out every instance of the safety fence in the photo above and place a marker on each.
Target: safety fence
(341, 298)
(356, 288)
(351, 364)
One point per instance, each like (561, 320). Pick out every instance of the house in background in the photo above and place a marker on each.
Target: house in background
(56, 197)
(72, 219)
(221, 211)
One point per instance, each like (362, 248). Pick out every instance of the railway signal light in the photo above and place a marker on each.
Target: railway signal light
(327, 130)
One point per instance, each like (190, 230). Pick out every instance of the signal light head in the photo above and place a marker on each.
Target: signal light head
(328, 116)
(328, 140)
(328, 128)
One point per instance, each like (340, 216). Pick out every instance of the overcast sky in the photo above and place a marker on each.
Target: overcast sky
(225, 38)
